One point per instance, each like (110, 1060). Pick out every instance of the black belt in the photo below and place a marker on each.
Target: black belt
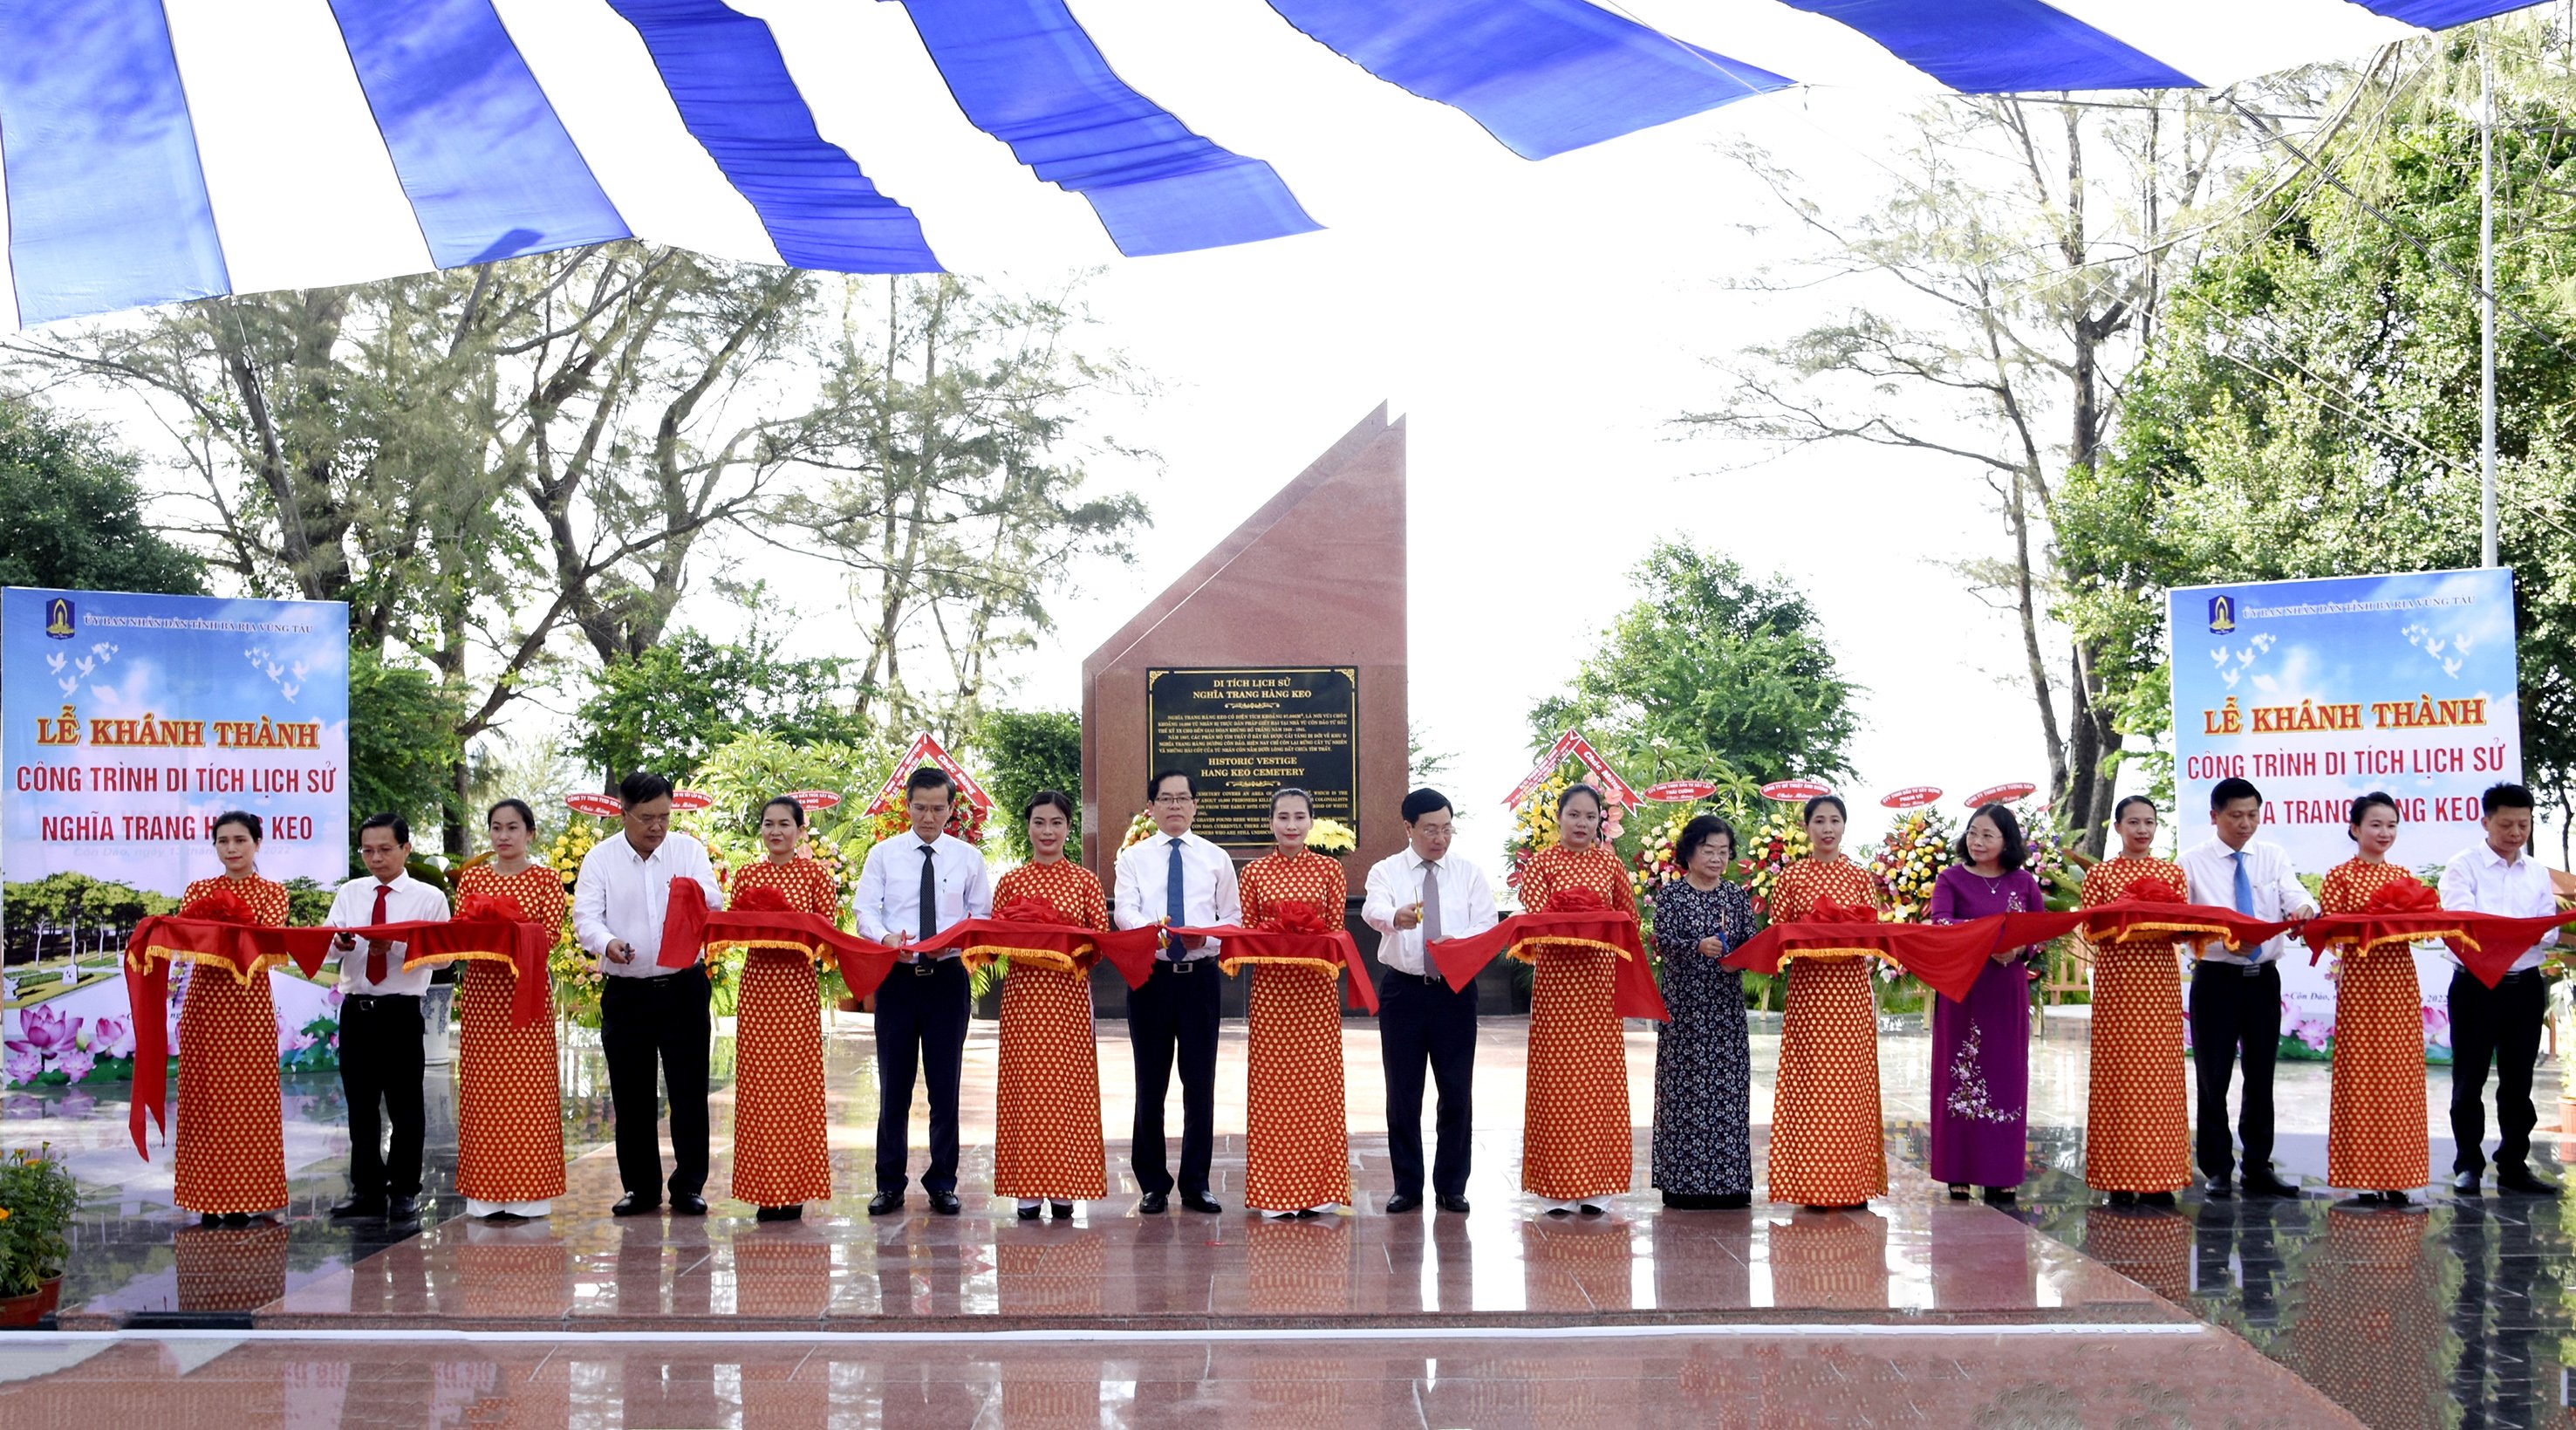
(2512, 974)
(1180, 965)
(369, 1000)
(1434, 979)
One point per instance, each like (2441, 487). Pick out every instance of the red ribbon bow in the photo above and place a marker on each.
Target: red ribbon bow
(1578, 901)
(1828, 911)
(1291, 916)
(1029, 911)
(491, 906)
(221, 906)
(2153, 889)
(760, 899)
(2405, 896)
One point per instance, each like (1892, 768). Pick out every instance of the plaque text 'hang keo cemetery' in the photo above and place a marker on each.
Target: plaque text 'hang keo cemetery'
(1242, 733)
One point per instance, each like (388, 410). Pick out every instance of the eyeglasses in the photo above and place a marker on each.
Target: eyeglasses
(1176, 799)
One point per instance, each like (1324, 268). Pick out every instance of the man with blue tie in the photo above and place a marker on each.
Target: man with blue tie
(913, 886)
(2236, 996)
(1175, 878)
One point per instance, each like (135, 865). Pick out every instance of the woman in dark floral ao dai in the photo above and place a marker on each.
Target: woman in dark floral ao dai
(1703, 1065)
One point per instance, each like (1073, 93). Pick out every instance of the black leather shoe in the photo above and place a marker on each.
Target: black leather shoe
(1999, 1196)
(357, 1207)
(2465, 1183)
(792, 1212)
(1151, 1204)
(885, 1202)
(2155, 1199)
(688, 1204)
(237, 1218)
(1399, 1204)
(2268, 1185)
(2521, 1183)
(1447, 1203)
(945, 1203)
(402, 1211)
(1030, 1213)
(634, 1204)
(1200, 1202)
(1060, 1211)
(2219, 1189)
(1730, 1201)
(2124, 1199)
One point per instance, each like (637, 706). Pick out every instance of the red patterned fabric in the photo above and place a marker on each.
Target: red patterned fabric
(1047, 1141)
(229, 1147)
(2137, 1132)
(1827, 1147)
(1575, 1138)
(2376, 1139)
(509, 1091)
(781, 1150)
(1296, 1142)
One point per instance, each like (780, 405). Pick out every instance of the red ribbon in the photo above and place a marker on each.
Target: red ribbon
(2403, 896)
(2486, 944)
(688, 926)
(1270, 941)
(1035, 923)
(759, 899)
(1572, 914)
(1947, 957)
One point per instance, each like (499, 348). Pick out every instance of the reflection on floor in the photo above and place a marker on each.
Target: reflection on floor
(1921, 1311)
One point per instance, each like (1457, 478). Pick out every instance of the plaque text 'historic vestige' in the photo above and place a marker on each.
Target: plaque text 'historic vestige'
(1243, 733)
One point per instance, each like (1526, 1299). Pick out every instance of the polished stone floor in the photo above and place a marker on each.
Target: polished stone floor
(1921, 1311)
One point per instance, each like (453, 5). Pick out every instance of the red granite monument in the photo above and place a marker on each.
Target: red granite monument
(1278, 659)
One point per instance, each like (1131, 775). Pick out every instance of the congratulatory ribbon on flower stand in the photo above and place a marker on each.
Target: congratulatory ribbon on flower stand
(2403, 912)
(1579, 918)
(1031, 931)
(216, 930)
(1947, 957)
(1296, 937)
(761, 918)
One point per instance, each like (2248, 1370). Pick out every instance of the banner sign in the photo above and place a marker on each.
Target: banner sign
(926, 750)
(1572, 746)
(129, 722)
(2319, 691)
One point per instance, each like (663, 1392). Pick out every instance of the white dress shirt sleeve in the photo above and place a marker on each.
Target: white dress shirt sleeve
(979, 884)
(590, 900)
(868, 908)
(1383, 894)
(1130, 910)
(703, 869)
(1481, 913)
(1229, 892)
(2294, 896)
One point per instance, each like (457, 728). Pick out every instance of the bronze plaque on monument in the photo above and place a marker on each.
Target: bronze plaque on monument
(1242, 733)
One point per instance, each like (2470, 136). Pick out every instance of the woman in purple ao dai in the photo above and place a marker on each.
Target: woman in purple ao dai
(1981, 1048)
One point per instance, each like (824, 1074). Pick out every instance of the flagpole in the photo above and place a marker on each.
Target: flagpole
(2486, 310)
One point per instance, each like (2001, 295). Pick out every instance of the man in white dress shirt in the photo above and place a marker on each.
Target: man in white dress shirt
(651, 1018)
(912, 886)
(1179, 879)
(1423, 894)
(2236, 997)
(2499, 1024)
(381, 1057)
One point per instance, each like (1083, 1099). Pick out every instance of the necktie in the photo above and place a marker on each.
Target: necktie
(1172, 891)
(929, 895)
(376, 947)
(1431, 903)
(2244, 885)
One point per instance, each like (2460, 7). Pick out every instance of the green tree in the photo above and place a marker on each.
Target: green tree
(402, 741)
(1710, 672)
(669, 707)
(71, 512)
(2311, 408)
(1023, 752)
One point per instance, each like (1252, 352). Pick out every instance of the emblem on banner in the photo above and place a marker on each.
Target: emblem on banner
(2222, 614)
(62, 621)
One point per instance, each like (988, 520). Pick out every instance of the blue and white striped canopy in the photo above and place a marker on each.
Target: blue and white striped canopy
(160, 150)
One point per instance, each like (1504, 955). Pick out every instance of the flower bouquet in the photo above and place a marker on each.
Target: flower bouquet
(1779, 841)
(1909, 862)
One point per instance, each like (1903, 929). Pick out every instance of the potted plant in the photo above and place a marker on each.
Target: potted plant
(37, 1199)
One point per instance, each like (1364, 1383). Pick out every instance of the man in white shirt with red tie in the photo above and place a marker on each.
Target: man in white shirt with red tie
(913, 886)
(2500, 1024)
(1175, 878)
(2236, 995)
(382, 1065)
